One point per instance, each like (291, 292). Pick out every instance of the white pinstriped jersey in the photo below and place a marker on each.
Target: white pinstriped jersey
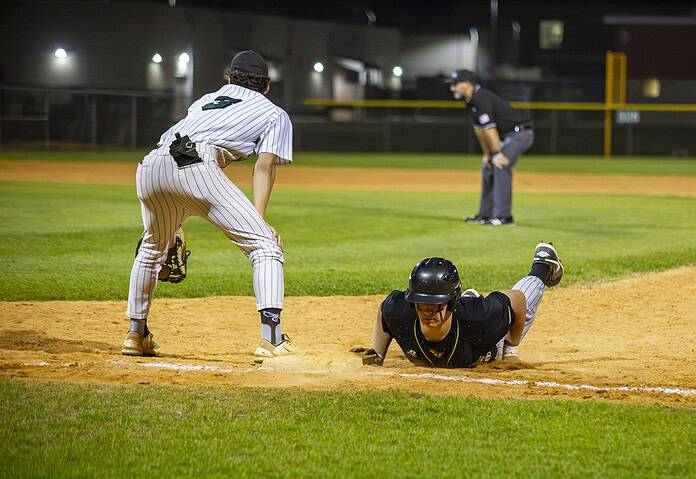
(232, 119)
(239, 120)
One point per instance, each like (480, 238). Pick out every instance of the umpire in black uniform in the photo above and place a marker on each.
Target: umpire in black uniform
(504, 134)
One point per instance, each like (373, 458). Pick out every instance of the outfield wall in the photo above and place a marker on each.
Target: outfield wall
(131, 119)
(552, 136)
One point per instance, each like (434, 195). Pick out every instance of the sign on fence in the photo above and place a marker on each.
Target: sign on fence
(627, 117)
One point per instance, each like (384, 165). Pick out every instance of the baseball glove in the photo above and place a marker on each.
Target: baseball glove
(368, 356)
(174, 267)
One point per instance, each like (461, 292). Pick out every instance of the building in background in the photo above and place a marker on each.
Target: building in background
(118, 73)
(153, 47)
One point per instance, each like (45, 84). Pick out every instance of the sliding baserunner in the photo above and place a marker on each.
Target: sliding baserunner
(436, 325)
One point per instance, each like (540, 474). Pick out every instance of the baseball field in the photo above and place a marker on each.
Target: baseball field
(606, 387)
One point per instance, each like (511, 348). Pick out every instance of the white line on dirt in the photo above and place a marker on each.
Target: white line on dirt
(436, 377)
(195, 367)
(546, 384)
(440, 377)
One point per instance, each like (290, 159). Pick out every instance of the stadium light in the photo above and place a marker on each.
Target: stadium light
(183, 65)
(318, 67)
(397, 71)
(60, 53)
(157, 58)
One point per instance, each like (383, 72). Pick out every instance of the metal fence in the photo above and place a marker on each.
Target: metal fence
(121, 119)
(86, 118)
(422, 126)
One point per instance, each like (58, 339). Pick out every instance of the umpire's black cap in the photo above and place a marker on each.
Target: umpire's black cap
(434, 281)
(250, 62)
(463, 75)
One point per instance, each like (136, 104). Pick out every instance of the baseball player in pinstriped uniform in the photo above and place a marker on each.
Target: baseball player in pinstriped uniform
(183, 177)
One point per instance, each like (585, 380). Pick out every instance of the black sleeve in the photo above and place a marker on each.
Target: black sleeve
(487, 320)
(500, 307)
(483, 117)
(389, 307)
(397, 316)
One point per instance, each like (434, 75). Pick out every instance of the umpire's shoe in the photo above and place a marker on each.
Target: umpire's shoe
(546, 254)
(476, 219)
(138, 345)
(266, 349)
(500, 221)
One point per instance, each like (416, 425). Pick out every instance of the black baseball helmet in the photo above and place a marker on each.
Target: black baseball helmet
(434, 281)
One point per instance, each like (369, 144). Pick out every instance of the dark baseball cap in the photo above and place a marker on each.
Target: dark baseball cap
(463, 75)
(250, 62)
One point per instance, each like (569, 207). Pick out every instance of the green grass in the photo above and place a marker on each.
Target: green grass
(64, 241)
(58, 430)
(77, 241)
(59, 156)
(537, 164)
(553, 164)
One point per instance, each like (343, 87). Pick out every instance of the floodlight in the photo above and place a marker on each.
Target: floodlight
(157, 58)
(397, 71)
(61, 53)
(318, 67)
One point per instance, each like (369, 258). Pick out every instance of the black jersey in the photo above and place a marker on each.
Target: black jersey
(488, 110)
(477, 326)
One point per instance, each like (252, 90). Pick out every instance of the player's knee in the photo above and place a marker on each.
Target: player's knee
(266, 250)
(151, 253)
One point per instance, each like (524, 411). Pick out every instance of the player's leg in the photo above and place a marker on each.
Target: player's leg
(486, 204)
(502, 195)
(502, 189)
(232, 212)
(162, 216)
(547, 271)
(512, 147)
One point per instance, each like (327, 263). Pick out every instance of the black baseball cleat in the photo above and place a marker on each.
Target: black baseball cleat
(501, 221)
(546, 254)
(476, 219)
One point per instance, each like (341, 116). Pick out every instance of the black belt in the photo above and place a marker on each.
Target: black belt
(519, 128)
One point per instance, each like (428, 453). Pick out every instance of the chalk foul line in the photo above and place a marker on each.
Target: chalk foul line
(546, 384)
(436, 377)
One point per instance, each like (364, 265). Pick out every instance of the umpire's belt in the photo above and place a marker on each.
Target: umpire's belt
(184, 152)
(519, 128)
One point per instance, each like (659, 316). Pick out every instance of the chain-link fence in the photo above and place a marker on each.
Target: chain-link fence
(557, 131)
(96, 118)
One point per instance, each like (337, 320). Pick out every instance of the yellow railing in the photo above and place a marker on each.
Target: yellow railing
(614, 99)
(614, 91)
(535, 105)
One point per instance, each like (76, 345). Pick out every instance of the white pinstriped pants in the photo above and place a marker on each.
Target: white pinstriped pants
(533, 290)
(168, 195)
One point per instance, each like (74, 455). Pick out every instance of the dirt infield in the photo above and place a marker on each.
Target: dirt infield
(386, 179)
(619, 341)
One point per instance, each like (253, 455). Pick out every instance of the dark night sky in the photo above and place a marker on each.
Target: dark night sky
(437, 15)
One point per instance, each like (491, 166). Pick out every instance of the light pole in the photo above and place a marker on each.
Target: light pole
(494, 31)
